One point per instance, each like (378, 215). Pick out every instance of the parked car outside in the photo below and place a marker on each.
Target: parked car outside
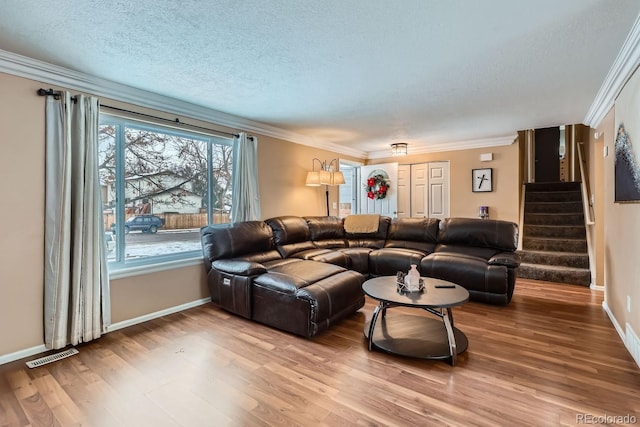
(144, 223)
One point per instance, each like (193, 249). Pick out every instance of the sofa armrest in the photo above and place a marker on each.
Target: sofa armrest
(239, 267)
(508, 259)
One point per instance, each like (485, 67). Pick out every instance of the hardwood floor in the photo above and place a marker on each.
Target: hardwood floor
(549, 356)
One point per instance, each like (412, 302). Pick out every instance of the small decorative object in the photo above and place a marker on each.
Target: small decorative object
(376, 187)
(482, 180)
(405, 282)
(484, 212)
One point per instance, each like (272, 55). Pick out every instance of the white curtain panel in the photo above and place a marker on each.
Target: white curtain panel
(246, 193)
(77, 307)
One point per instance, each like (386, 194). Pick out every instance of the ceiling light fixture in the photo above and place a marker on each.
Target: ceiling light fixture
(399, 149)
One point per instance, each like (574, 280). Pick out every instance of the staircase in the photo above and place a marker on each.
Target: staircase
(554, 244)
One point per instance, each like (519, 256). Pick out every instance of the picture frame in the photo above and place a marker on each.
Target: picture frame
(482, 180)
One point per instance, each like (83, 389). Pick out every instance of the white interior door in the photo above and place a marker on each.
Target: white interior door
(389, 205)
(438, 199)
(404, 191)
(419, 189)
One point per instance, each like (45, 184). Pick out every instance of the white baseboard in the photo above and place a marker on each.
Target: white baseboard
(629, 337)
(21, 354)
(616, 325)
(596, 287)
(633, 344)
(155, 315)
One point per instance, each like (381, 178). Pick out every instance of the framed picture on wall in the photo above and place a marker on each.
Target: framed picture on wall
(627, 141)
(482, 180)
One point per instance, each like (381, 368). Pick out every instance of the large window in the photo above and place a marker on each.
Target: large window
(159, 186)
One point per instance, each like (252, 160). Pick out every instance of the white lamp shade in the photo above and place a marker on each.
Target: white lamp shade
(337, 178)
(325, 177)
(313, 179)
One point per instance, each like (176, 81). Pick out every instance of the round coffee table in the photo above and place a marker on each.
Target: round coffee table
(411, 335)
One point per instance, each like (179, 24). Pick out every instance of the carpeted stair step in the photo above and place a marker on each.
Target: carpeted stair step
(553, 186)
(553, 196)
(552, 273)
(560, 259)
(554, 207)
(553, 219)
(565, 231)
(554, 244)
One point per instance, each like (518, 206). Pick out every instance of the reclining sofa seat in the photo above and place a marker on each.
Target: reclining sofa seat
(360, 245)
(408, 241)
(478, 254)
(248, 276)
(293, 239)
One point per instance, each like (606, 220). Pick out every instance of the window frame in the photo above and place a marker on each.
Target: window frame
(120, 265)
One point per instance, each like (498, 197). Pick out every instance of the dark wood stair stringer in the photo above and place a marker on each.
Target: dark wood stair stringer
(554, 243)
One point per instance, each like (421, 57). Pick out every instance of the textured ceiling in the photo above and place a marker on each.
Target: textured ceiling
(357, 73)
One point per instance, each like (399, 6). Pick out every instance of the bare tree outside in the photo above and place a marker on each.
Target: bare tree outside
(166, 175)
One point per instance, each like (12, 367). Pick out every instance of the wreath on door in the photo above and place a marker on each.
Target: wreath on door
(376, 187)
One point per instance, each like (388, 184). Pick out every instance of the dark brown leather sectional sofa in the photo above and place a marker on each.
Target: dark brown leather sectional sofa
(302, 275)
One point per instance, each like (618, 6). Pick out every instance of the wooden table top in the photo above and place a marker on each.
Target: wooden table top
(385, 289)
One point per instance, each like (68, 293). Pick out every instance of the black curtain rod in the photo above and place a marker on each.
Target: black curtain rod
(176, 120)
(56, 95)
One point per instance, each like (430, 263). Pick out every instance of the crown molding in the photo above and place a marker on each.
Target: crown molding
(451, 146)
(33, 69)
(622, 69)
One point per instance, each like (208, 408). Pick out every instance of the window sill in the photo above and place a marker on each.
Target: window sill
(139, 270)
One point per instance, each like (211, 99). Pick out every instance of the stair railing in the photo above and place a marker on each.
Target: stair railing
(521, 228)
(587, 207)
(586, 195)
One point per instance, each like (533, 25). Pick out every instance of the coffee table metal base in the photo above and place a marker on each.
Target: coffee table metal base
(416, 336)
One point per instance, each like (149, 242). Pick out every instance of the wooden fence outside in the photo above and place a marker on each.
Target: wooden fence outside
(175, 221)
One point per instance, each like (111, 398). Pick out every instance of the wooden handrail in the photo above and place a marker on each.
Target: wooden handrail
(586, 195)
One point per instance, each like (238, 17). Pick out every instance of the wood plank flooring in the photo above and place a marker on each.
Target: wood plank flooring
(549, 356)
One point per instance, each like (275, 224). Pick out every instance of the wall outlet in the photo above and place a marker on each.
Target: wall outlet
(628, 304)
(335, 205)
(606, 150)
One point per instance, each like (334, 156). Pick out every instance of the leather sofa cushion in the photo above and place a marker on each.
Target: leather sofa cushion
(370, 240)
(333, 294)
(413, 233)
(290, 277)
(325, 255)
(289, 229)
(330, 243)
(240, 267)
(232, 240)
(388, 261)
(293, 249)
(290, 234)
(358, 258)
(262, 257)
(475, 251)
(471, 272)
(508, 259)
(325, 228)
(489, 233)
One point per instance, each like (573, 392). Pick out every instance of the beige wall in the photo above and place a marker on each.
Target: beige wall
(283, 168)
(503, 202)
(137, 296)
(621, 220)
(22, 224)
